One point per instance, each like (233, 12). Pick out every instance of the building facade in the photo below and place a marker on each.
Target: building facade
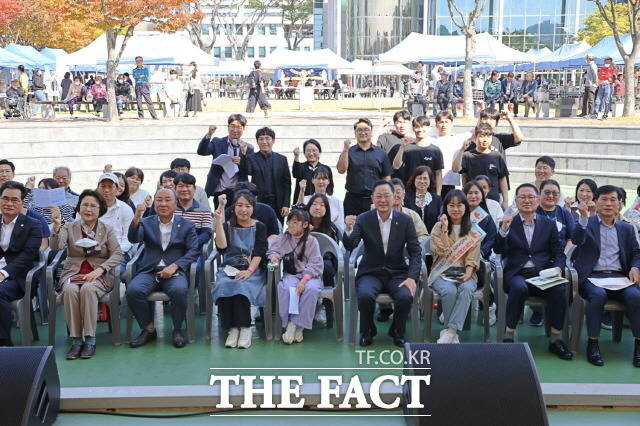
(232, 25)
(362, 29)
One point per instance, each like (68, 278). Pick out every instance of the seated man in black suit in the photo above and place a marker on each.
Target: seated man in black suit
(20, 238)
(269, 171)
(607, 248)
(383, 268)
(529, 243)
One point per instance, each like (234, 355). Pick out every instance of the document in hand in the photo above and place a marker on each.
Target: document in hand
(49, 197)
(225, 161)
(545, 283)
(615, 283)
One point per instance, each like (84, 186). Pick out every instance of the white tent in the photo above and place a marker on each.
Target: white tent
(539, 53)
(432, 49)
(230, 67)
(324, 58)
(156, 48)
(362, 67)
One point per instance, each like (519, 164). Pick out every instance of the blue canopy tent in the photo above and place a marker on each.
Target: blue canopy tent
(9, 59)
(53, 53)
(604, 48)
(562, 53)
(30, 53)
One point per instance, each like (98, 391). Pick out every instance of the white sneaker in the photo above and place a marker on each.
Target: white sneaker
(455, 338)
(244, 341)
(441, 318)
(492, 314)
(446, 336)
(298, 336)
(288, 335)
(232, 338)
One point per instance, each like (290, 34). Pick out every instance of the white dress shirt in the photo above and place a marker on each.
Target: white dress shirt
(119, 217)
(165, 236)
(5, 240)
(385, 229)
(528, 233)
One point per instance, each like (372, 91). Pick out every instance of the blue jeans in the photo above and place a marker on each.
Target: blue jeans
(40, 96)
(456, 299)
(603, 99)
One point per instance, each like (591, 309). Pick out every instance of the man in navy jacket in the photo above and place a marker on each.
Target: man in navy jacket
(20, 238)
(607, 248)
(219, 182)
(383, 268)
(529, 243)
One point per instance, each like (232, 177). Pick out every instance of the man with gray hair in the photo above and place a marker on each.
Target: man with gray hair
(62, 175)
(590, 85)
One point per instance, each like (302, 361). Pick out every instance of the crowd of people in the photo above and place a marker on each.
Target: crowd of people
(417, 197)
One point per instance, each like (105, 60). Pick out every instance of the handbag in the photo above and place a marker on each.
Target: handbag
(289, 261)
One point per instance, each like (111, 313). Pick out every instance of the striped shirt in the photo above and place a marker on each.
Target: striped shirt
(201, 218)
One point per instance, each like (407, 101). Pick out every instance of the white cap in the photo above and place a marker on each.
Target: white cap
(109, 176)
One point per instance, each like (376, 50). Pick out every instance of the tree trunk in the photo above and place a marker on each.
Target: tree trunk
(468, 68)
(630, 87)
(112, 36)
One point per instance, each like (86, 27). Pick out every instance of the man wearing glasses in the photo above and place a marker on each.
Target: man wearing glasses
(364, 164)
(529, 243)
(220, 180)
(20, 238)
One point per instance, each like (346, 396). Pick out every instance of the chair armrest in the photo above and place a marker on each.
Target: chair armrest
(51, 270)
(208, 265)
(42, 262)
(130, 269)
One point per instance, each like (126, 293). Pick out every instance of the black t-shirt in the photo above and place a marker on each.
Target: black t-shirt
(387, 141)
(499, 143)
(415, 156)
(491, 164)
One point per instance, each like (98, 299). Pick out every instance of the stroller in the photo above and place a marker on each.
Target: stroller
(17, 108)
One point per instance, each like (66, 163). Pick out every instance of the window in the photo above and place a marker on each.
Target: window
(218, 29)
(216, 52)
(205, 29)
(271, 49)
(262, 52)
(239, 29)
(262, 29)
(307, 49)
(227, 52)
(272, 29)
(251, 52)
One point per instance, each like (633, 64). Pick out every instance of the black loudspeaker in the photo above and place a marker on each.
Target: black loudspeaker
(474, 384)
(29, 386)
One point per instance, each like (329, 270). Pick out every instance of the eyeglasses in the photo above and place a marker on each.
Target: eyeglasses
(363, 130)
(5, 172)
(551, 193)
(234, 127)
(527, 197)
(11, 200)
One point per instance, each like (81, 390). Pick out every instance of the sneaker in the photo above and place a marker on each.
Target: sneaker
(604, 117)
(455, 338)
(244, 340)
(536, 319)
(232, 338)
(446, 336)
(298, 335)
(288, 335)
(492, 314)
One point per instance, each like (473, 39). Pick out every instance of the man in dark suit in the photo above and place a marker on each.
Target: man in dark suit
(607, 248)
(170, 247)
(529, 243)
(269, 171)
(219, 182)
(383, 268)
(20, 238)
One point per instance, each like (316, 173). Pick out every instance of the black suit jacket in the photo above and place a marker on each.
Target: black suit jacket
(545, 250)
(216, 147)
(403, 234)
(23, 248)
(281, 175)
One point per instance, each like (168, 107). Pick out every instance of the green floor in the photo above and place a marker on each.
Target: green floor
(159, 363)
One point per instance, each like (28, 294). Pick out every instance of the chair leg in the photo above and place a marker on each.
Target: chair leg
(576, 323)
(191, 316)
(277, 321)
(338, 312)
(52, 318)
(114, 318)
(24, 317)
(42, 299)
(129, 315)
(34, 328)
(353, 315)
(427, 306)
(268, 307)
(616, 323)
(415, 319)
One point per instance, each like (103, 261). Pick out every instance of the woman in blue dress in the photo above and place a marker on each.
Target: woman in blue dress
(240, 282)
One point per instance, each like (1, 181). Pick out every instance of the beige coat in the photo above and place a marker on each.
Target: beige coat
(110, 253)
(441, 243)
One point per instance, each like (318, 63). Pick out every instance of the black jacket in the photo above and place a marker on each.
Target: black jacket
(23, 248)
(250, 166)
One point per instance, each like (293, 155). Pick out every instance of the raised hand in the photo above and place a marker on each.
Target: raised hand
(444, 221)
(303, 185)
(108, 168)
(31, 181)
(296, 153)
(56, 216)
(583, 210)
(212, 130)
(140, 209)
(148, 202)
(346, 144)
(506, 222)
(349, 222)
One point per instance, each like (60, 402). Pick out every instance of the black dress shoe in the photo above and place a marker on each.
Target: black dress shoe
(384, 314)
(366, 340)
(178, 339)
(636, 354)
(507, 340)
(398, 339)
(6, 342)
(558, 347)
(74, 351)
(143, 338)
(88, 351)
(593, 353)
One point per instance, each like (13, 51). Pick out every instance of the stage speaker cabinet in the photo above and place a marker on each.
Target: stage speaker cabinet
(474, 384)
(29, 386)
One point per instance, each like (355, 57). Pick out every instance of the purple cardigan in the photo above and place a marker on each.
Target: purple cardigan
(312, 263)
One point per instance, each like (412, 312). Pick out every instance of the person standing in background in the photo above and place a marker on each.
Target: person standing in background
(141, 75)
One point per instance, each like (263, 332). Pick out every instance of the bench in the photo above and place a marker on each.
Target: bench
(49, 111)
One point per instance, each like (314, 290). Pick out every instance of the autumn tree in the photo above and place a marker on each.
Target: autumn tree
(617, 18)
(195, 29)
(8, 11)
(595, 28)
(119, 17)
(467, 24)
(295, 20)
